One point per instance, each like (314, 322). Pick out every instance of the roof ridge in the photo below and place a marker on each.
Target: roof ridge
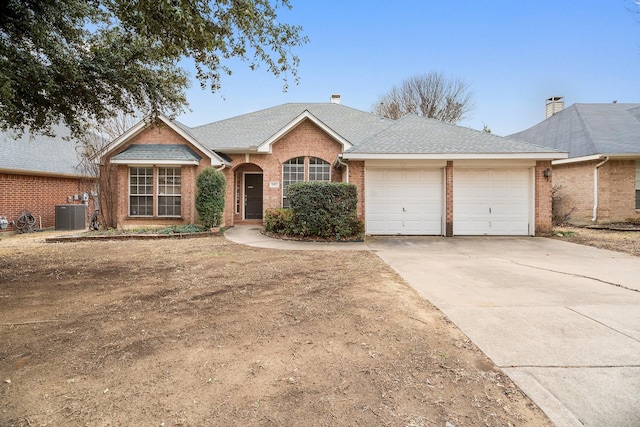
(279, 106)
(585, 126)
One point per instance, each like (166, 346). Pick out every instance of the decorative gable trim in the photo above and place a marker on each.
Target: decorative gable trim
(144, 124)
(265, 147)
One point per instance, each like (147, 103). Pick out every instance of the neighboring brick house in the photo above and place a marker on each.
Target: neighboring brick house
(37, 173)
(600, 181)
(414, 175)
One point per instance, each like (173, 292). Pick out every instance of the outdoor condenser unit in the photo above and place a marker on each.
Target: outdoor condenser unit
(71, 217)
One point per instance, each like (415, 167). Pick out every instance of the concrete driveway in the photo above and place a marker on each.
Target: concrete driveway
(562, 320)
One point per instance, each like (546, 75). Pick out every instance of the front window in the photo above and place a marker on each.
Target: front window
(155, 191)
(292, 171)
(141, 191)
(319, 170)
(169, 192)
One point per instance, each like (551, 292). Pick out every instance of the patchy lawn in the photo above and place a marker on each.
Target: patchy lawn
(615, 240)
(207, 332)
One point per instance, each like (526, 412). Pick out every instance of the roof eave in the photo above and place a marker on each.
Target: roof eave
(265, 147)
(154, 162)
(593, 157)
(452, 156)
(43, 173)
(143, 124)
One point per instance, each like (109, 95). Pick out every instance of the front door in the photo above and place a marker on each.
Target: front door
(253, 196)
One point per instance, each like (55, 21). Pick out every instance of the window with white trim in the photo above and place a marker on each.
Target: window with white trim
(637, 184)
(292, 171)
(319, 170)
(169, 192)
(155, 191)
(140, 191)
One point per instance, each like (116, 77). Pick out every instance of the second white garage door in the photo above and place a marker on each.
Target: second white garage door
(403, 201)
(491, 202)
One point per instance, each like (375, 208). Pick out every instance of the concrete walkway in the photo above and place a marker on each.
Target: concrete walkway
(562, 320)
(250, 235)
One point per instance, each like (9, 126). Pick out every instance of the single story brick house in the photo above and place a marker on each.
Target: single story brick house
(600, 180)
(37, 173)
(415, 176)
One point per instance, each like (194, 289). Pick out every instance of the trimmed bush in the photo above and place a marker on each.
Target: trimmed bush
(279, 221)
(324, 209)
(211, 185)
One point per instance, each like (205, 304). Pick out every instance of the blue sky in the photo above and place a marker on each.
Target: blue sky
(513, 54)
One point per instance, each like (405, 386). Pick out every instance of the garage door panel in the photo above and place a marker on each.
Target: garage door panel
(411, 202)
(491, 202)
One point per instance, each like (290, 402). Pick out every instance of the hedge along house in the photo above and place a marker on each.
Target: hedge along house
(415, 176)
(600, 180)
(38, 172)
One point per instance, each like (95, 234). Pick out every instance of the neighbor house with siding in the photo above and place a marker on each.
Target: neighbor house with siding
(415, 176)
(600, 180)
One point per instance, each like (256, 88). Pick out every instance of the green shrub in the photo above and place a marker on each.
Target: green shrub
(211, 185)
(324, 209)
(279, 221)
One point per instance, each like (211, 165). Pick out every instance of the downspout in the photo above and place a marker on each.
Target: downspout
(346, 165)
(221, 168)
(595, 188)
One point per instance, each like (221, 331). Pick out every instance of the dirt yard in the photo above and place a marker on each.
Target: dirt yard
(203, 331)
(620, 241)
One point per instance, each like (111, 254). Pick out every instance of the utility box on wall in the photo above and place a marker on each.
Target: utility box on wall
(71, 217)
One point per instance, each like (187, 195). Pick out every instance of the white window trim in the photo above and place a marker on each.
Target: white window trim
(138, 195)
(308, 169)
(156, 191)
(157, 194)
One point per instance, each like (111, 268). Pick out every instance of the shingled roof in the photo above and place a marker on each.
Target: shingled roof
(415, 135)
(253, 129)
(40, 155)
(589, 129)
(366, 132)
(157, 152)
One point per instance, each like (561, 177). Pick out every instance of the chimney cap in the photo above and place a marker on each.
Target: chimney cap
(336, 98)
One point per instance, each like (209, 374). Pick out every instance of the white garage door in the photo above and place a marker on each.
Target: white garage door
(491, 202)
(403, 201)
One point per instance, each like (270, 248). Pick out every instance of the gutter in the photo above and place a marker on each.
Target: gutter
(346, 165)
(595, 188)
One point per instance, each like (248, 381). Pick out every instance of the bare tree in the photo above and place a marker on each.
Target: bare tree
(101, 177)
(430, 95)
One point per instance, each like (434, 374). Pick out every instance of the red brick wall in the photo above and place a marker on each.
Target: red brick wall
(38, 195)
(616, 190)
(543, 186)
(449, 199)
(120, 183)
(356, 177)
(305, 140)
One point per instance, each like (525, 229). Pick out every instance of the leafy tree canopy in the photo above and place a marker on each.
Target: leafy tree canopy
(77, 61)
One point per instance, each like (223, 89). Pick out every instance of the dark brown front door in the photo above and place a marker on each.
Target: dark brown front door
(253, 196)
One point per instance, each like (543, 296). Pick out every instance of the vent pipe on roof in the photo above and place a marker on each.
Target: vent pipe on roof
(554, 105)
(335, 99)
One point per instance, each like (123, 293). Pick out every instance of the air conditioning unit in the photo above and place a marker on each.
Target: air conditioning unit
(71, 217)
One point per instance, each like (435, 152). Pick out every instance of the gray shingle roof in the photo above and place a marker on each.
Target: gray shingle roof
(416, 135)
(40, 154)
(255, 128)
(366, 132)
(588, 129)
(160, 152)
